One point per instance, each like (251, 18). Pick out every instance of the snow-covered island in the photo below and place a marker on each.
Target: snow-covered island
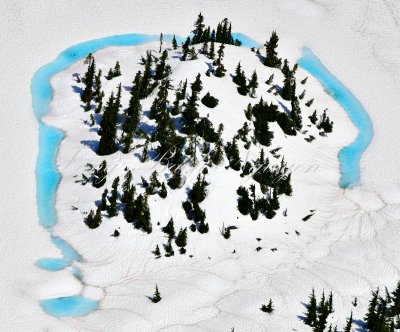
(196, 176)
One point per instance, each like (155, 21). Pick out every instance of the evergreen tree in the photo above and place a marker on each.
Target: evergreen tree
(127, 189)
(211, 52)
(185, 49)
(169, 251)
(311, 315)
(117, 70)
(245, 204)
(161, 42)
(190, 113)
(137, 212)
(94, 220)
(157, 252)
(296, 113)
(112, 207)
(89, 81)
(313, 118)
(269, 308)
(204, 48)
(272, 59)
(270, 79)
(232, 153)
(181, 240)
(349, 323)
(103, 202)
(289, 83)
(395, 307)
(371, 316)
(163, 192)
(198, 30)
(145, 84)
(97, 94)
(175, 181)
(263, 113)
(157, 296)
(169, 229)
(99, 175)
(108, 128)
(162, 68)
(174, 43)
(199, 190)
(253, 84)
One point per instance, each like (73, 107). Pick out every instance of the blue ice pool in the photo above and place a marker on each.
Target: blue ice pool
(349, 156)
(47, 174)
(69, 306)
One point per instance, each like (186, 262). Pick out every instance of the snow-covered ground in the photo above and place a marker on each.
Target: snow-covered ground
(350, 247)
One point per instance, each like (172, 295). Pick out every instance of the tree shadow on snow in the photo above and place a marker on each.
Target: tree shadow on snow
(93, 145)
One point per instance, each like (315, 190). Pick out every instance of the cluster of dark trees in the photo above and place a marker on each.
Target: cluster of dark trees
(317, 313)
(324, 123)
(223, 33)
(114, 72)
(383, 314)
(180, 240)
(245, 86)
(273, 181)
(196, 195)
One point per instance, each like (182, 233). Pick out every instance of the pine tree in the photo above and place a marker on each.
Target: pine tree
(211, 52)
(313, 118)
(185, 49)
(163, 192)
(190, 113)
(272, 59)
(157, 296)
(145, 84)
(117, 70)
(161, 42)
(371, 316)
(169, 251)
(204, 48)
(349, 323)
(181, 240)
(97, 94)
(198, 30)
(157, 252)
(127, 189)
(169, 229)
(253, 84)
(94, 220)
(103, 202)
(112, 208)
(270, 79)
(88, 81)
(108, 128)
(99, 175)
(162, 68)
(232, 153)
(269, 308)
(174, 43)
(289, 83)
(175, 181)
(311, 315)
(295, 114)
(245, 204)
(199, 190)
(395, 307)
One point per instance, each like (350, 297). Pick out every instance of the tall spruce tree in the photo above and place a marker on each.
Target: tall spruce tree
(198, 30)
(99, 175)
(253, 84)
(311, 315)
(272, 59)
(174, 43)
(108, 128)
(112, 208)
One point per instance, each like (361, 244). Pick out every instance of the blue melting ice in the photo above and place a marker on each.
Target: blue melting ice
(349, 156)
(69, 306)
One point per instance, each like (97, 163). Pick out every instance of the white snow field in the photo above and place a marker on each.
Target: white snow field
(350, 246)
